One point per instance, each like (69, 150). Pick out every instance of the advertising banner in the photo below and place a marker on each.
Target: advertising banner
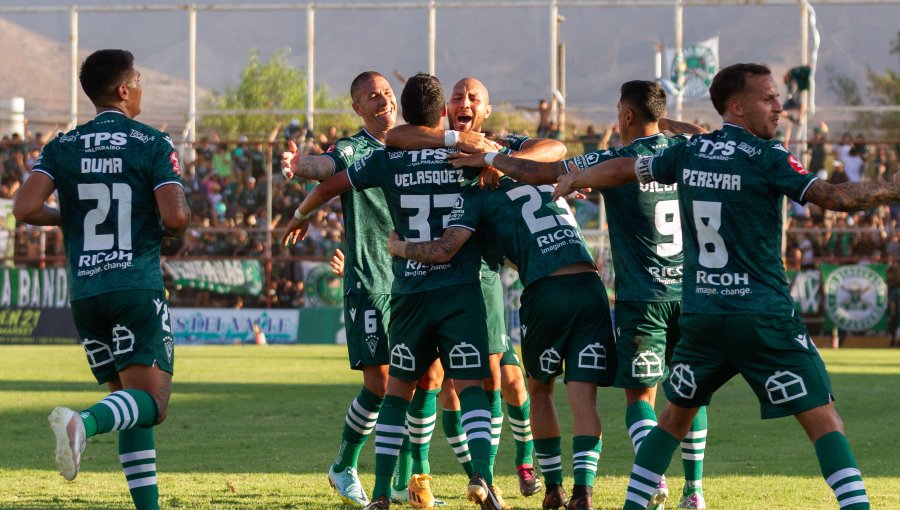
(37, 326)
(229, 326)
(34, 288)
(244, 277)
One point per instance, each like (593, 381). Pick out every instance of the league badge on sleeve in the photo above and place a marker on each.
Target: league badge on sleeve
(175, 166)
(796, 165)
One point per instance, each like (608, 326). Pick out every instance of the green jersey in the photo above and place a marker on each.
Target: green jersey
(367, 221)
(730, 185)
(106, 173)
(644, 227)
(535, 233)
(421, 189)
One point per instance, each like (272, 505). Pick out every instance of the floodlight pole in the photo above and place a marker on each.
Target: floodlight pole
(192, 83)
(679, 58)
(73, 51)
(310, 64)
(432, 38)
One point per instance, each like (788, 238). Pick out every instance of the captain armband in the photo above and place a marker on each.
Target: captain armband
(642, 170)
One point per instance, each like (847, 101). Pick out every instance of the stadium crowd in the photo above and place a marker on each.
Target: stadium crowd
(226, 189)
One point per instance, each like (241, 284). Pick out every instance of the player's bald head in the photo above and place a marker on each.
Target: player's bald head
(470, 83)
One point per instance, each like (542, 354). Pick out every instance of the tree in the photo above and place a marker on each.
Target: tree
(274, 84)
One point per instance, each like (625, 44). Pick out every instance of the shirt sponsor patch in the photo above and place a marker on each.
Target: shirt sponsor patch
(175, 166)
(796, 165)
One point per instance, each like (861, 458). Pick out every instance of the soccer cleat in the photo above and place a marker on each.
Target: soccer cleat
(70, 440)
(380, 503)
(529, 483)
(398, 497)
(659, 496)
(503, 504)
(348, 486)
(555, 498)
(693, 500)
(583, 502)
(419, 491)
(480, 493)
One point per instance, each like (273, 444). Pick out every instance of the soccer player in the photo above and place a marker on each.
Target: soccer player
(119, 186)
(565, 315)
(367, 277)
(436, 311)
(469, 106)
(738, 315)
(645, 235)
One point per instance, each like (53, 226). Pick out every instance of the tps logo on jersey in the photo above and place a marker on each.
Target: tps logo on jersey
(175, 166)
(796, 165)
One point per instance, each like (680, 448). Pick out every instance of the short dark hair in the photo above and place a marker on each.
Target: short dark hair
(103, 71)
(422, 100)
(363, 77)
(647, 98)
(732, 80)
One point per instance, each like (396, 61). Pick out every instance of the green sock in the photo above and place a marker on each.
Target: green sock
(692, 449)
(549, 456)
(496, 403)
(586, 455)
(476, 421)
(389, 433)
(520, 423)
(137, 454)
(456, 436)
(639, 419)
(841, 471)
(404, 467)
(358, 424)
(650, 464)
(120, 410)
(420, 419)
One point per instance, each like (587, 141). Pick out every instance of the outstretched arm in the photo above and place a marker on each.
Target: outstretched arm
(408, 136)
(679, 127)
(853, 196)
(313, 167)
(430, 252)
(608, 174)
(324, 192)
(542, 149)
(525, 170)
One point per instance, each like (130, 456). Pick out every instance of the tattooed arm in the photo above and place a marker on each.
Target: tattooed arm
(520, 169)
(853, 196)
(173, 209)
(430, 252)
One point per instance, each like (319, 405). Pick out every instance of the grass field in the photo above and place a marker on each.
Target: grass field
(256, 427)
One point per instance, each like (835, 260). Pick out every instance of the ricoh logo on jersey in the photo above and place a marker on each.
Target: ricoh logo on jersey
(557, 239)
(725, 284)
(95, 140)
(414, 268)
(101, 165)
(666, 275)
(90, 265)
(445, 176)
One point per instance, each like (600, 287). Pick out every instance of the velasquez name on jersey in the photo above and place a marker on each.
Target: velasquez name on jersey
(446, 176)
